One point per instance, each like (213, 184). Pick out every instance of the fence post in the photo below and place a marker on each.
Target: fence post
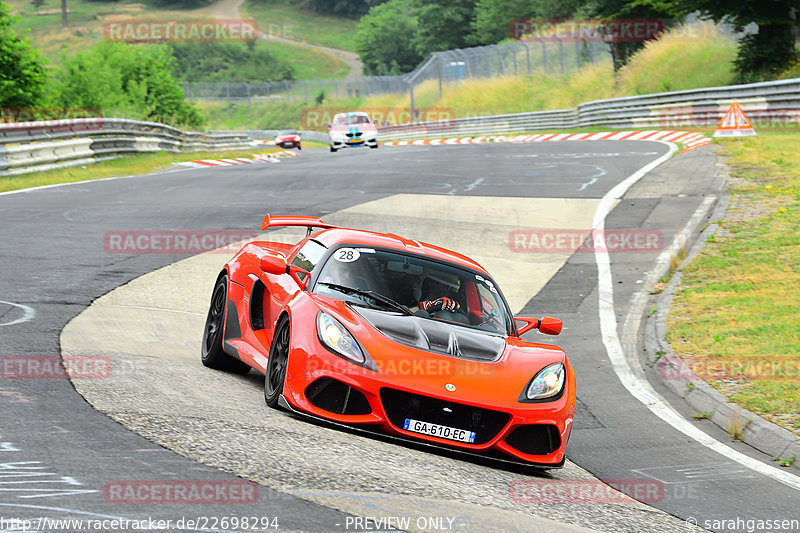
(441, 73)
(527, 55)
(501, 66)
(560, 52)
(544, 53)
(411, 93)
(514, 57)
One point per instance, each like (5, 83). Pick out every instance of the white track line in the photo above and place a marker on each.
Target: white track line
(637, 385)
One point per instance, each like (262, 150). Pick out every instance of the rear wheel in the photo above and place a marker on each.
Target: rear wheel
(276, 364)
(212, 353)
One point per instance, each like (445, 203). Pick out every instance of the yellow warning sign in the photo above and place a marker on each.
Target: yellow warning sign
(735, 123)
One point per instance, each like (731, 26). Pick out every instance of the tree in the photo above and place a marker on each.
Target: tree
(22, 70)
(442, 24)
(385, 39)
(125, 79)
(492, 18)
(354, 9)
(622, 50)
(763, 54)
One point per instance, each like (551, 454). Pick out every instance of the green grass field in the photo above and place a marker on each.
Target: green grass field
(308, 64)
(284, 18)
(86, 20)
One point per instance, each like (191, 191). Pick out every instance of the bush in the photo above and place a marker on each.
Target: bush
(22, 71)
(126, 81)
(229, 62)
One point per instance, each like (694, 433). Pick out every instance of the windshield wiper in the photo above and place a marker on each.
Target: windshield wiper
(370, 294)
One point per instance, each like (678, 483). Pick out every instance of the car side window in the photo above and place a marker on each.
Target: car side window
(309, 255)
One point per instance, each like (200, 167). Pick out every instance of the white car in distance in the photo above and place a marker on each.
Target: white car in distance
(352, 130)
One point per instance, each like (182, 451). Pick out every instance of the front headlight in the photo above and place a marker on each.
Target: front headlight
(548, 382)
(336, 337)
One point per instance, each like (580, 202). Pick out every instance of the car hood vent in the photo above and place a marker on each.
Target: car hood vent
(434, 336)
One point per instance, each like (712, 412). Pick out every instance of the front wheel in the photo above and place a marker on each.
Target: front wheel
(276, 364)
(212, 354)
(333, 149)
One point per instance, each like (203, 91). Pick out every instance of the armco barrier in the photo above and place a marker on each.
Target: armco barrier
(29, 146)
(671, 110)
(33, 146)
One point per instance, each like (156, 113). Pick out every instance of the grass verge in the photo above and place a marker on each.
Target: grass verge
(125, 166)
(736, 317)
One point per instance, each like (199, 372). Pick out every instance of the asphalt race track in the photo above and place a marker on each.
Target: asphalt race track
(61, 458)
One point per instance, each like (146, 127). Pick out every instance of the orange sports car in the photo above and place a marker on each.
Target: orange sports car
(389, 334)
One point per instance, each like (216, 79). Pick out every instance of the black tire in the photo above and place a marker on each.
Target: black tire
(277, 362)
(373, 147)
(333, 149)
(299, 147)
(212, 353)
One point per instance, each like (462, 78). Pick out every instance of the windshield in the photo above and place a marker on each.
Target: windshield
(287, 132)
(347, 120)
(427, 288)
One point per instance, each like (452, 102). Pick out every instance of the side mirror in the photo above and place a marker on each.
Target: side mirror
(547, 325)
(329, 126)
(275, 264)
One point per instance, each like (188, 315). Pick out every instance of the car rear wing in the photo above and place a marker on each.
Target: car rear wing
(293, 220)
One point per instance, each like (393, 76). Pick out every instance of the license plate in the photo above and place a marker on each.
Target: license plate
(444, 432)
(354, 141)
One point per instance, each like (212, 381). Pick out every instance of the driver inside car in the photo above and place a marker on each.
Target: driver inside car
(436, 292)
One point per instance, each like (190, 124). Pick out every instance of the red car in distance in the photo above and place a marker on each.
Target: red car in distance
(288, 139)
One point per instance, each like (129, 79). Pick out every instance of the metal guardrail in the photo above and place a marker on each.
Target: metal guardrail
(777, 100)
(35, 146)
(30, 146)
